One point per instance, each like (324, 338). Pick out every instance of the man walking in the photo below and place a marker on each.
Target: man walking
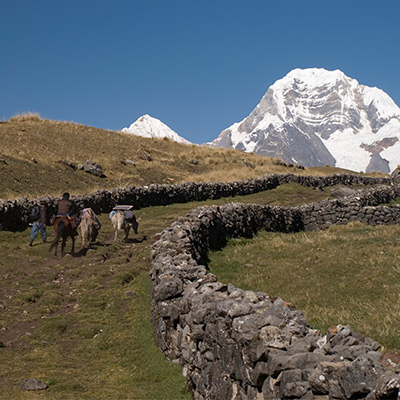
(38, 218)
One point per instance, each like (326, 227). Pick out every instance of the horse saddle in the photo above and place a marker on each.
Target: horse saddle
(73, 222)
(71, 219)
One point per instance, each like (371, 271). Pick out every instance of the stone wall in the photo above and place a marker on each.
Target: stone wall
(236, 344)
(240, 344)
(14, 214)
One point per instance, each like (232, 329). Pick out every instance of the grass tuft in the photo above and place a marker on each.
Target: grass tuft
(26, 117)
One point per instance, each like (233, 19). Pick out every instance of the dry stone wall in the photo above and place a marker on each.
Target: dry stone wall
(14, 214)
(237, 344)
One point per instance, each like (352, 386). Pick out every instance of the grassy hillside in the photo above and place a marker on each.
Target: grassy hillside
(37, 158)
(309, 270)
(82, 323)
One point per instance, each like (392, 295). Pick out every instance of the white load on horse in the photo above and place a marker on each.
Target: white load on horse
(122, 217)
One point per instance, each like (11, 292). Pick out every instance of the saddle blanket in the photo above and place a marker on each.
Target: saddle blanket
(123, 208)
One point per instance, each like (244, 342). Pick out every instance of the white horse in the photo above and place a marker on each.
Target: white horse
(90, 226)
(119, 222)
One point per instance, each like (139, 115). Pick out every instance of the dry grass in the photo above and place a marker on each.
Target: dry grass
(26, 117)
(32, 150)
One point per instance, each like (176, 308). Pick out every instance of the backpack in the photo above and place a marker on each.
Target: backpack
(35, 213)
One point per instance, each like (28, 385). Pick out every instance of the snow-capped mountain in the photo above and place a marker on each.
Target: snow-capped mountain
(316, 117)
(150, 127)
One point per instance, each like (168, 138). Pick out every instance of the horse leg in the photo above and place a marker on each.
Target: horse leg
(59, 231)
(54, 244)
(73, 245)
(84, 239)
(135, 226)
(85, 232)
(83, 236)
(63, 246)
(117, 228)
(93, 235)
(127, 229)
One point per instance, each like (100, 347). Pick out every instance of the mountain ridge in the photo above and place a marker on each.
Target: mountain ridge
(317, 117)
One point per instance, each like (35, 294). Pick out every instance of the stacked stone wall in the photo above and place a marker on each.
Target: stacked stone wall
(14, 214)
(240, 344)
(237, 344)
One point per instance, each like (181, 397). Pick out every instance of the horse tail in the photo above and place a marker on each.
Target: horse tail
(60, 230)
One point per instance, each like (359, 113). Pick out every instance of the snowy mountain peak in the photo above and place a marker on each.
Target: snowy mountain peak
(311, 77)
(316, 117)
(147, 126)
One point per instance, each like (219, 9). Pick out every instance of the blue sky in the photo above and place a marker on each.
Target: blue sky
(198, 66)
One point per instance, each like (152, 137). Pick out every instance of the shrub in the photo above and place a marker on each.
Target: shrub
(24, 117)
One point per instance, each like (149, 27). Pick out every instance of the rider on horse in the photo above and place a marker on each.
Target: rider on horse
(65, 223)
(69, 208)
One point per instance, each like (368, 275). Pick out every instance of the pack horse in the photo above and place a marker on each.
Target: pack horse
(123, 218)
(90, 226)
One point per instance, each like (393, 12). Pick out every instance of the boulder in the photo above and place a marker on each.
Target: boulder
(93, 168)
(33, 384)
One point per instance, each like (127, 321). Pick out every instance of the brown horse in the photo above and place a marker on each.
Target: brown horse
(63, 229)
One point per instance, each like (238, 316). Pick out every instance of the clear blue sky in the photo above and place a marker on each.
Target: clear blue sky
(197, 65)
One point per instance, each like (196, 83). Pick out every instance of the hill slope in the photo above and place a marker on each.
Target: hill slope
(39, 157)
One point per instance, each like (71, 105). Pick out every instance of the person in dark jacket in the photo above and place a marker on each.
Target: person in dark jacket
(67, 207)
(39, 220)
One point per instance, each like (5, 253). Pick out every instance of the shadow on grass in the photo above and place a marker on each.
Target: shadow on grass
(134, 240)
(81, 253)
(99, 244)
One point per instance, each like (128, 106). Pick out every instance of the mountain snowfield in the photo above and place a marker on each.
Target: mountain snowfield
(316, 117)
(150, 127)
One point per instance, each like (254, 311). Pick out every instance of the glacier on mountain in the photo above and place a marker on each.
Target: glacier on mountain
(316, 117)
(150, 127)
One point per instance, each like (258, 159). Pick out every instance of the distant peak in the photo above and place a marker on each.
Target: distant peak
(148, 126)
(146, 117)
(316, 72)
(311, 77)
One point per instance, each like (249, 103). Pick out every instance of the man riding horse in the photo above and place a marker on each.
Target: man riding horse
(65, 223)
(67, 207)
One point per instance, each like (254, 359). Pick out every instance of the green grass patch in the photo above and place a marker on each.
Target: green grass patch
(71, 323)
(344, 275)
(83, 323)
